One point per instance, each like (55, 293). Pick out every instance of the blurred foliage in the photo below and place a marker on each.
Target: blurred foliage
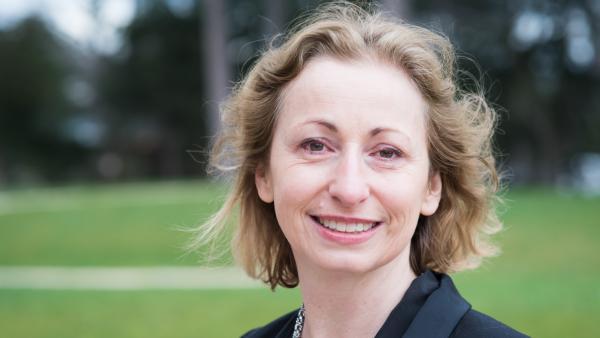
(152, 94)
(539, 61)
(33, 106)
(68, 112)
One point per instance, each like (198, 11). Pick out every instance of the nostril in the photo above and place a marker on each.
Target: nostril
(349, 184)
(349, 193)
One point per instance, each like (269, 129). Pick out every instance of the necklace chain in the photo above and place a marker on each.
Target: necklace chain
(299, 323)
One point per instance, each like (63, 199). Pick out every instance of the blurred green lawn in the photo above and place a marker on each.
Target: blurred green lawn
(545, 283)
(111, 225)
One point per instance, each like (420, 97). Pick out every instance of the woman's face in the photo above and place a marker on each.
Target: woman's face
(348, 171)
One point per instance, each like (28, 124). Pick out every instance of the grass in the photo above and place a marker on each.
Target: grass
(545, 282)
(168, 314)
(129, 225)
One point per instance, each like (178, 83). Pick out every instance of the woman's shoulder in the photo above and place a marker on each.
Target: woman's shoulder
(442, 311)
(276, 328)
(475, 324)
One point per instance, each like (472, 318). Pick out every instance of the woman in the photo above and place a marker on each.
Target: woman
(363, 176)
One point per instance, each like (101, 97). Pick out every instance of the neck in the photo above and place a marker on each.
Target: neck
(345, 304)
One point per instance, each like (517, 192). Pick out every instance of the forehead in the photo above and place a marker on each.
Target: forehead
(367, 91)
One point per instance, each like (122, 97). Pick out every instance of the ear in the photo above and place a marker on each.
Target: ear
(433, 195)
(264, 186)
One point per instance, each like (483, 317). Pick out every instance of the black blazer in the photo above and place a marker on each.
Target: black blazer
(430, 308)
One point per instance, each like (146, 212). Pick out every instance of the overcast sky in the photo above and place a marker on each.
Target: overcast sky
(74, 18)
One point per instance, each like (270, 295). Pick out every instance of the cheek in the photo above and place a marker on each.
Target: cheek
(297, 184)
(402, 193)
(296, 192)
(404, 215)
(294, 187)
(402, 199)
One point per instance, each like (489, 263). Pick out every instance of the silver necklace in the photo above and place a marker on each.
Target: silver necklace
(299, 323)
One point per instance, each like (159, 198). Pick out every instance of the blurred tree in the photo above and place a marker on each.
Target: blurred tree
(541, 63)
(400, 8)
(136, 113)
(216, 66)
(161, 92)
(152, 92)
(275, 17)
(33, 105)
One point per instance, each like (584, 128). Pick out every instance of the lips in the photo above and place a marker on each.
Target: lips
(345, 225)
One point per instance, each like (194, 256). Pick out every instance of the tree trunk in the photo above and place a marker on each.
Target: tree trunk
(213, 46)
(276, 17)
(400, 8)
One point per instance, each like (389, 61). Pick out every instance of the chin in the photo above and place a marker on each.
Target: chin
(348, 263)
(357, 261)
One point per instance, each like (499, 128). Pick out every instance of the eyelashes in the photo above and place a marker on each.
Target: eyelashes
(387, 153)
(383, 152)
(314, 146)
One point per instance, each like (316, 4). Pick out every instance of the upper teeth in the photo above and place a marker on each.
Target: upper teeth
(346, 227)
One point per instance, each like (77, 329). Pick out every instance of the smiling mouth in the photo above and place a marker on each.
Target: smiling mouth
(344, 226)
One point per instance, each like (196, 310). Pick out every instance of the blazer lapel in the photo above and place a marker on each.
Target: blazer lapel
(440, 314)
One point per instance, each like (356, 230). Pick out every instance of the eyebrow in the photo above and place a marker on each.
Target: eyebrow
(378, 130)
(334, 129)
(323, 123)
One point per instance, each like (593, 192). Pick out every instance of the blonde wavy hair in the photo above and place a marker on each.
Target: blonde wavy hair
(460, 127)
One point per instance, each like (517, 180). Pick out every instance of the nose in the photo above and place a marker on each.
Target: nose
(349, 184)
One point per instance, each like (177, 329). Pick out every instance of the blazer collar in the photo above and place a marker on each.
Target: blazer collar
(432, 302)
(437, 314)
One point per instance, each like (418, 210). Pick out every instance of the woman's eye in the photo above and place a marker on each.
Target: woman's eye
(314, 146)
(388, 153)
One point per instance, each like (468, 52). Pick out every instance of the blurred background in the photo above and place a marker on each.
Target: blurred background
(107, 108)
